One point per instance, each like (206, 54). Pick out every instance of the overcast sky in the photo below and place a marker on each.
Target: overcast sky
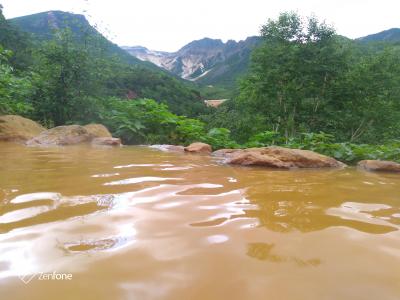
(169, 24)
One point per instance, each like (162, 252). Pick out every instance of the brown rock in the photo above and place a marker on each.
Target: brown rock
(198, 148)
(18, 129)
(379, 165)
(283, 158)
(98, 130)
(106, 141)
(62, 135)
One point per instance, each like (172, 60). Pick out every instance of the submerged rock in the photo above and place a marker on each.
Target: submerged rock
(198, 148)
(62, 135)
(379, 166)
(106, 141)
(173, 148)
(18, 129)
(225, 152)
(279, 157)
(98, 130)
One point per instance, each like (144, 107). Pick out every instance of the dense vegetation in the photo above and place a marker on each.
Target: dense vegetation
(307, 88)
(72, 62)
(304, 78)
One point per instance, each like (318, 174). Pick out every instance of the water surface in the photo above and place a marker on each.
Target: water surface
(139, 223)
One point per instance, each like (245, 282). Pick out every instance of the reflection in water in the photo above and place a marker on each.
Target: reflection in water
(264, 251)
(138, 223)
(318, 202)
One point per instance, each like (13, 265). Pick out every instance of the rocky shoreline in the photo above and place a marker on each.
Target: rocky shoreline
(25, 131)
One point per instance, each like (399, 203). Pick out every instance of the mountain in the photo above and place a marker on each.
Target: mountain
(42, 26)
(206, 61)
(124, 75)
(390, 35)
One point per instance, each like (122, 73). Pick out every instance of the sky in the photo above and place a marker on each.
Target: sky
(168, 25)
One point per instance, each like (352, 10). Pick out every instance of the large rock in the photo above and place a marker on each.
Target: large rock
(198, 148)
(18, 129)
(98, 130)
(62, 135)
(279, 157)
(379, 165)
(106, 141)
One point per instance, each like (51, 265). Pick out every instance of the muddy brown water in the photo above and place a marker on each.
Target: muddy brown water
(139, 223)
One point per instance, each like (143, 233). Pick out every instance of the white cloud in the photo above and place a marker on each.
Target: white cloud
(169, 24)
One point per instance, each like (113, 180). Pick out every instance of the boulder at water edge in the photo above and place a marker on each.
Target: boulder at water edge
(98, 130)
(18, 129)
(278, 157)
(62, 135)
(199, 148)
(379, 166)
(106, 141)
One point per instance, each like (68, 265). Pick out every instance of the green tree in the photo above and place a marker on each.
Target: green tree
(292, 72)
(70, 75)
(14, 90)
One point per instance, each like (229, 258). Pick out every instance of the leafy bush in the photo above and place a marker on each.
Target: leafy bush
(265, 138)
(14, 90)
(219, 138)
(188, 131)
(324, 143)
(144, 121)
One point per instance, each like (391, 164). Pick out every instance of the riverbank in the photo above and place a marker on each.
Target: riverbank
(323, 154)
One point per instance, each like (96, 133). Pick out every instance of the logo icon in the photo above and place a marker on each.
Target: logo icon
(27, 278)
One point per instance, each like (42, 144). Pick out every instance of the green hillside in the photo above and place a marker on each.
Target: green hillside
(122, 73)
(390, 36)
(43, 26)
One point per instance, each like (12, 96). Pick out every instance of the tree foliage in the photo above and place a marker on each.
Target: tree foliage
(14, 90)
(306, 78)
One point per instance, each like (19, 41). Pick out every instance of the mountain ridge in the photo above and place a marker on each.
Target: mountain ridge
(389, 35)
(200, 60)
(206, 61)
(42, 26)
(127, 76)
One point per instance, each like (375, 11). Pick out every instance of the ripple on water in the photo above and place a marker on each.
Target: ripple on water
(371, 214)
(142, 165)
(105, 175)
(36, 196)
(39, 208)
(217, 239)
(139, 180)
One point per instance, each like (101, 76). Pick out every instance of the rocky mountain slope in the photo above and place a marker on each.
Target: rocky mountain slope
(206, 61)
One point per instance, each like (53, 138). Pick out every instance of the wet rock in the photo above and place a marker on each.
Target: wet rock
(106, 141)
(173, 148)
(225, 152)
(282, 158)
(379, 166)
(18, 129)
(62, 135)
(198, 148)
(98, 130)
